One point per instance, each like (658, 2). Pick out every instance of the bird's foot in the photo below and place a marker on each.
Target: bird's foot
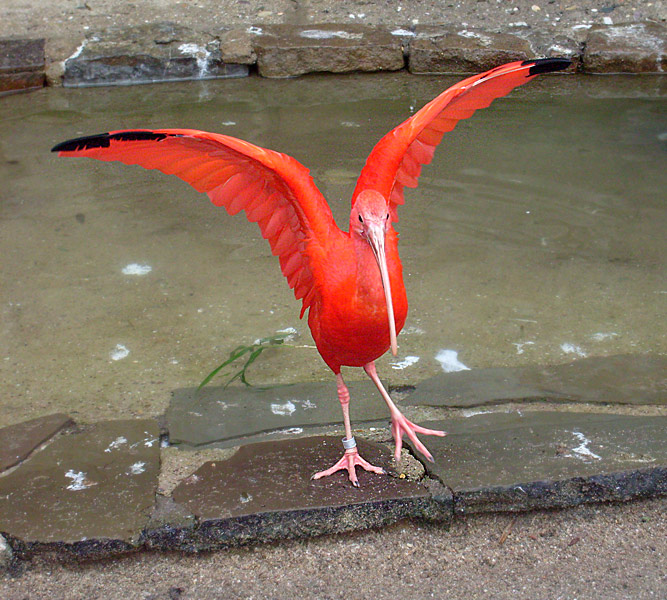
(349, 461)
(400, 425)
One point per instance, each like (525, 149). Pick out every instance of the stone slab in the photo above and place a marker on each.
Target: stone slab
(620, 379)
(292, 50)
(18, 441)
(89, 493)
(265, 492)
(22, 64)
(449, 49)
(535, 460)
(225, 417)
(626, 48)
(148, 54)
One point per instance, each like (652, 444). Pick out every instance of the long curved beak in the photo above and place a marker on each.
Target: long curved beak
(376, 240)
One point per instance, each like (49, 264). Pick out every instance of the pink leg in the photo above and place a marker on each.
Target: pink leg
(351, 458)
(399, 424)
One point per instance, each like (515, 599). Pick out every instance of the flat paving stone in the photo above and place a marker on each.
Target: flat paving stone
(225, 417)
(265, 492)
(523, 461)
(292, 50)
(88, 493)
(147, 54)
(18, 441)
(621, 379)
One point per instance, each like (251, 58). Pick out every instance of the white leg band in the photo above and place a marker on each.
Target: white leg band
(349, 444)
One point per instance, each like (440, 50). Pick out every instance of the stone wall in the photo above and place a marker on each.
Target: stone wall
(169, 52)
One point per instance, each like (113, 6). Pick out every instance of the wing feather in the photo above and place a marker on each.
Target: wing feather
(395, 162)
(273, 189)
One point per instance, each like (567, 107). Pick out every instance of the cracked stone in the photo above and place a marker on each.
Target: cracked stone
(148, 54)
(620, 379)
(225, 417)
(170, 526)
(265, 492)
(89, 493)
(289, 50)
(461, 50)
(626, 48)
(18, 441)
(535, 460)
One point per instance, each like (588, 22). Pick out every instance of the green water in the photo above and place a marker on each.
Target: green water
(536, 236)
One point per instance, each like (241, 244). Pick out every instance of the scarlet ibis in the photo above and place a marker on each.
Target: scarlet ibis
(350, 281)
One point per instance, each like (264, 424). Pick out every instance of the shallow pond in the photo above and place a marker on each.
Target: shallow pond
(536, 236)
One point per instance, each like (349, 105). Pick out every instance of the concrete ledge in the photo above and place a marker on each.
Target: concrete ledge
(168, 52)
(461, 50)
(22, 65)
(150, 54)
(626, 48)
(288, 51)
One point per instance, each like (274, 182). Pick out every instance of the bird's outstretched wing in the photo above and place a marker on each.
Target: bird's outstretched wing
(274, 189)
(396, 160)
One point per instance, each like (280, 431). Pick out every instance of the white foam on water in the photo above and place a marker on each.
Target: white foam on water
(572, 349)
(601, 337)
(408, 361)
(450, 362)
(520, 345)
(136, 269)
(119, 352)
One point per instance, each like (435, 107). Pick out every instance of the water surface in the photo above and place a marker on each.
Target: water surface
(536, 236)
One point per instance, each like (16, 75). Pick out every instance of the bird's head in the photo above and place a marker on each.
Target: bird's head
(370, 221)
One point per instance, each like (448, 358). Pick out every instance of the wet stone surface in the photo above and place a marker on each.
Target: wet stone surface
(223, 418)
(92, 491)
(536, 460)
(22, 64)
(265, 491)
(288, 51)
(150, 53)
(622, 379)
(18, 441)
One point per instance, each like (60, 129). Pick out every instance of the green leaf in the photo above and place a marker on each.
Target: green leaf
(254, 350)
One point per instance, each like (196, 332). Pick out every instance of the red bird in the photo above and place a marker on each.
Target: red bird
(351, 281)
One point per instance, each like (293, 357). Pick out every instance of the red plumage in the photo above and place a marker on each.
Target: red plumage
(352, 280)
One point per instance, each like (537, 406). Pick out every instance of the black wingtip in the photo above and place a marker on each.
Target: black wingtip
(100, 140)
(547, 65)
(103, 140)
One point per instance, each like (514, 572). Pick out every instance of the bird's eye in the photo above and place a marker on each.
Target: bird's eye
(387, 216)
(360, 219)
